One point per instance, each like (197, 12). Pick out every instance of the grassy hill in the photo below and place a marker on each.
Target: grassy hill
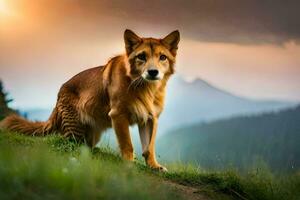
(268, 140)
(56, 168)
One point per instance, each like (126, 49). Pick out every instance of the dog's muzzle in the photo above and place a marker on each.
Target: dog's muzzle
(152, 75)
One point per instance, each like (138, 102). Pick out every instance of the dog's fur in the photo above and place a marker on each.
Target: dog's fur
(116, 95)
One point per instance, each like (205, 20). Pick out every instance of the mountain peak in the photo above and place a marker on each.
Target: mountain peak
(197, 84)
(192, 82)
(199, 81)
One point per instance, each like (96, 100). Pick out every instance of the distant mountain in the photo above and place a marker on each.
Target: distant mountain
(190, 102)
(241, 142)
(196, 101)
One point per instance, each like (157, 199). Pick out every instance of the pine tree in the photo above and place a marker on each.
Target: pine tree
(4, 109)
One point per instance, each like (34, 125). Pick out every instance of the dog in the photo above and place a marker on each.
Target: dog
(128, 90)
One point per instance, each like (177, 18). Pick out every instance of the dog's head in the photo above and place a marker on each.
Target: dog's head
(149, 58)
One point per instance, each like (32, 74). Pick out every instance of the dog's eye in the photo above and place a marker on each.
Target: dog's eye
(162, 57)
(141, 56)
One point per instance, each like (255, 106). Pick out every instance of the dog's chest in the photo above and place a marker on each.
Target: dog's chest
(143, 109)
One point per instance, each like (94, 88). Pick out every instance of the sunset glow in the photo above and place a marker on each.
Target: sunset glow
(50, 41)
(8, 17)
(4, 9)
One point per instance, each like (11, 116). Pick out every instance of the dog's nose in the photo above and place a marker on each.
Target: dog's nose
(153, 72)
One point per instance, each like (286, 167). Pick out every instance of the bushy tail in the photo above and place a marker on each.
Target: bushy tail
(18, 124)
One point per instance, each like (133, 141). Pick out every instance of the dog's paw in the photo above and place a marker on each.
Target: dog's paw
(160, 168)
(163, 169)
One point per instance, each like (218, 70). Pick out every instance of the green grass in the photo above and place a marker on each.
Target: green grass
(55, 168)
(259, 184)
(31, 170)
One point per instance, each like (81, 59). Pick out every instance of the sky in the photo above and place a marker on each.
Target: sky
(250, 48)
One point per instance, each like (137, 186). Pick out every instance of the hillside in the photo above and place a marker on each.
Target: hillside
(190, 102)
(241, 142)
(56, 168)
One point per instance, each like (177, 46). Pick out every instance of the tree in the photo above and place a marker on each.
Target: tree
(4, 109)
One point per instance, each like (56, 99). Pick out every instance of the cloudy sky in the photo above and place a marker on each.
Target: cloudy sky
(250, 48)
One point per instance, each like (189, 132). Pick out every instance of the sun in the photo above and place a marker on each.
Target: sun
(7, 14)
(4, 8)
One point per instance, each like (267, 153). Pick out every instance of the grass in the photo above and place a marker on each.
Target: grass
(55, 168)
(259, 184)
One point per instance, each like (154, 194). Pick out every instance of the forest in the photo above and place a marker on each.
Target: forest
(269, 140)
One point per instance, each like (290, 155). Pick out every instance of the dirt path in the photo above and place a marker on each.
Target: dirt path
(187, 192)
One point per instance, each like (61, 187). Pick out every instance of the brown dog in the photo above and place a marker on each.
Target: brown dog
(128, 90)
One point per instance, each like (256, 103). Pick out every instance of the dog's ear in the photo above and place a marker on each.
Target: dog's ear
(132, 40)
(171, 41)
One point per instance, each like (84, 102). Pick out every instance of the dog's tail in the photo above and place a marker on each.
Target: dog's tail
(21, 125)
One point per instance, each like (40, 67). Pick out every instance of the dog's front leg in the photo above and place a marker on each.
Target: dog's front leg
(120, 124)
(147, 135)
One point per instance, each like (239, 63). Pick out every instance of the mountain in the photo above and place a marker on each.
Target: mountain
(271, 139)
(197, 101)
